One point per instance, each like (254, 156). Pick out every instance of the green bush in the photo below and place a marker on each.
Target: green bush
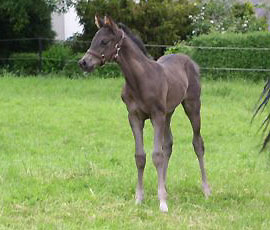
(71, 68)
(55, 58)
(229, 58)
(24, 63)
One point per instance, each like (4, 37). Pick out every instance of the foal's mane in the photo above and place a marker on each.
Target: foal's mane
(136, 39)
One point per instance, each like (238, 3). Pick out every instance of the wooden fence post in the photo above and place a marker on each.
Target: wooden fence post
(40, 54)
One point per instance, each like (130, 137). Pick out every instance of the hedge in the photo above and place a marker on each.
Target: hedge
(26, 63)
(57, 59)
(229, 58)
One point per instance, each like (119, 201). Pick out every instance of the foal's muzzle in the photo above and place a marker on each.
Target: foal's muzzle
(82, 63)
(85, 65)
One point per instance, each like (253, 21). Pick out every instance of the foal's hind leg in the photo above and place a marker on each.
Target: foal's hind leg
(137, 125)
(167, 145)
(192, 109)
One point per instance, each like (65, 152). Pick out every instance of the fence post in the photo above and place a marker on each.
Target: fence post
(40, 54)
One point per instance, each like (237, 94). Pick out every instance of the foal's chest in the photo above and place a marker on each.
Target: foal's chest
(136, 103)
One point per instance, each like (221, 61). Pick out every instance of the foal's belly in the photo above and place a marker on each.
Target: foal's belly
(177, 89)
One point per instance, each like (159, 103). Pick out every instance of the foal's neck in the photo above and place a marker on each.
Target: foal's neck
(133, 62)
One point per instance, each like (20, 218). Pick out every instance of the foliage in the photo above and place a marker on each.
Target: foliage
(261, 105)
(24, 63)
(24, 19)
(156, 22)
(60, 6)
(67, 160)
(167, 21)
(55, 58)
(224, 15)
(60, 59)
(77, 43)
(88, 9)
(71, 69)
(229, 58)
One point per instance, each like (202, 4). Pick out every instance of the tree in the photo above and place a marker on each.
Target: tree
(155, 21)
(60, 6)
(120, 11)
(24, 19)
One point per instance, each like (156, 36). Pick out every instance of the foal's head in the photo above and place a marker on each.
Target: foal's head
(104, 46)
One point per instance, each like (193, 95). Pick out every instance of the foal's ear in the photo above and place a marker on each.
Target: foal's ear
(109, 22)
(98, 21)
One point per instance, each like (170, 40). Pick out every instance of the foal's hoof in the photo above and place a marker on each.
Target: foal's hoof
(163, 206)
(206, 190)
(139, 197)
(138, 201)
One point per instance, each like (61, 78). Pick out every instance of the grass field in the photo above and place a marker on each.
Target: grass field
(67, 159)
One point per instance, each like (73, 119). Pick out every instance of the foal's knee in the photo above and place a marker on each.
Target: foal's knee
(140, 160)
(167, 148)
(158, 159)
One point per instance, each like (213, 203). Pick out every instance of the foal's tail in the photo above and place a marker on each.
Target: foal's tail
(192, 70)
(193, 75)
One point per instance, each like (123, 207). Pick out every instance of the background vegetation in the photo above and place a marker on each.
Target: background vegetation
(168, 22)
(226, 16)
(156, 22)
(58, 59)
(24, 19)
(207, 51)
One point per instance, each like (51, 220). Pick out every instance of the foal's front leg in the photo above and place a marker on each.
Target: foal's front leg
(137, 125)
(158, 121)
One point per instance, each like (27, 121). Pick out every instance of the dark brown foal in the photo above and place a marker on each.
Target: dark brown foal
(152, 90)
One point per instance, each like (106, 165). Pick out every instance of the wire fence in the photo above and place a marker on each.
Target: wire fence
(40, 45)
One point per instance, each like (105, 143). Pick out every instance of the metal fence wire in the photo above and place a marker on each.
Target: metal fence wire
(39, 45)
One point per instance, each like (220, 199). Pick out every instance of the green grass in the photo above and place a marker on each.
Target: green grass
(67, 159)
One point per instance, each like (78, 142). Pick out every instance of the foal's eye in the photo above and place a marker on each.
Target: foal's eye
(104, 42)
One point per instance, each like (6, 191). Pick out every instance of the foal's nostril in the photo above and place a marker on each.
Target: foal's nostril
(82, 63)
